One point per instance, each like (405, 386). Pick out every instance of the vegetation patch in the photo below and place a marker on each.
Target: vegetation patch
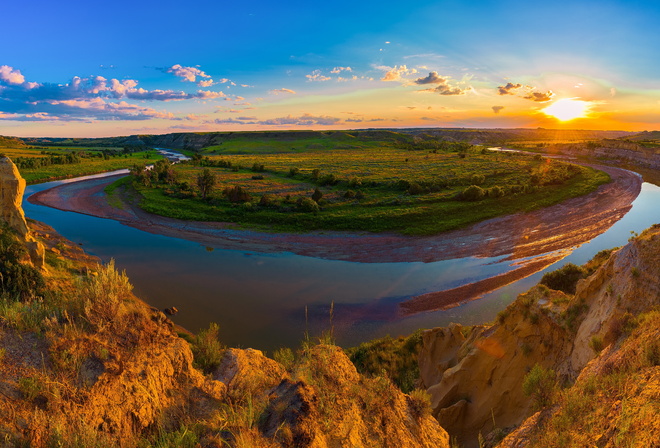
(397, 358)
(395, 185)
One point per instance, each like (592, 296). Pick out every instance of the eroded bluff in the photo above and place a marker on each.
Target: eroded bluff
(83, 362)
(475, 375)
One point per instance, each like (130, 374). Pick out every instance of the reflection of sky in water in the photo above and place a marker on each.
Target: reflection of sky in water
(259, 300)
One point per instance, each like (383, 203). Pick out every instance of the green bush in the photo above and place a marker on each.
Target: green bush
(396, 358)
(495, 192)
(207, 348)
(596, 344)
(472, 193)
(17, 278)
(317, 195)
(104, 295)
(420, 403)
(328, 179)
(354, 182)
(539, 384)
(266, 200)
(308, 205)
(478, 179)
(415, 188)
(258, 167)
(285, 356)
(237, 194)
(564, 279)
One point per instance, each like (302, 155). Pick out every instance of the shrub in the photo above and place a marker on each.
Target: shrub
(207, 348)
(30, 387)
(237, 194)
(596, 343)
(354, 182)
(571, 314)
(16, 278)
(349, 194)
(472, 193)
(266, 200)
(415, 188)
(328, 179)
(258, 167)
(293, 171)
(205, 182)
(396, 358)
(104, 295)
(478, 179)
(285, 356)
(496, 192)
(257, 177)
(539, 384)
(564, 279)
(317, 195)
(315, 173)
(420, 403)
(308, 205)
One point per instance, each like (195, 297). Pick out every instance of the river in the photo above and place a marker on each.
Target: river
(270, 300)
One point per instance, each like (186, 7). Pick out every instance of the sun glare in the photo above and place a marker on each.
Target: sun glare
(568, 109)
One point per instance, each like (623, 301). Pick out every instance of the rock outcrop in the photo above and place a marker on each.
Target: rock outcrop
(12, 187)
(475, 375)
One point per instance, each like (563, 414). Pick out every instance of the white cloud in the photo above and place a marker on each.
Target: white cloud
(282, 90)
(317, 76)
(395, 73)
(10, 76)
(338, 70)
(189, 74)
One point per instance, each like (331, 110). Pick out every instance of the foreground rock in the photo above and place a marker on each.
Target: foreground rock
(12, 187)
(475, 375)
(83, 362)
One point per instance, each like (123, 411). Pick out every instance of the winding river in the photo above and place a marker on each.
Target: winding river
(268, 299)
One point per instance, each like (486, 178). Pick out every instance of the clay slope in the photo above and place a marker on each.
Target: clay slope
(85, 363)
(475, 375)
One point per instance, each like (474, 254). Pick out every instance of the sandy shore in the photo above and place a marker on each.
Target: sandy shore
(522, 235)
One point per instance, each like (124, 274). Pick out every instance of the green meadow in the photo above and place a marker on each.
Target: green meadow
(43, 164)
(391, 185)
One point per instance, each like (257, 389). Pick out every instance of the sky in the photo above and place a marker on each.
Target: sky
(70, 68)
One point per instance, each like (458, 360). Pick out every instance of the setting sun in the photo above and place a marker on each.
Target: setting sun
(568, 109)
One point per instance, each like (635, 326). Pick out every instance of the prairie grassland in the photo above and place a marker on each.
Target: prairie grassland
(41, 168)
(377, 189)
(247, 143)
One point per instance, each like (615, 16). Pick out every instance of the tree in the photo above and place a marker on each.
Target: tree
(205, 182)
(317, 195)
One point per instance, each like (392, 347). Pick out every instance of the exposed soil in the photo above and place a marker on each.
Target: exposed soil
(521, 235)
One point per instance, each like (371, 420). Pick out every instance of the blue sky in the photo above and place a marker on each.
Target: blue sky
(72, 68)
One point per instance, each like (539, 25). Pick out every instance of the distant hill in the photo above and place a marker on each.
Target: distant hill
(11, 142)
(196, 141)
(502, 136)
(645, 136)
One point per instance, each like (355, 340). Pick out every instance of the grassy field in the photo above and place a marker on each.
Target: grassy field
(373, 188)
(263, 143)
(42, 164)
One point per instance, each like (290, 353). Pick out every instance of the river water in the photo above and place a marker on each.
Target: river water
(266, 301)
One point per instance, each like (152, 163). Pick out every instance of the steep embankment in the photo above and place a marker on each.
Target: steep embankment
(83, 362)
(475, 375)
(622, 152)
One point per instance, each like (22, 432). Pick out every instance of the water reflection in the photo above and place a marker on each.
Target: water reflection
(269, 300)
